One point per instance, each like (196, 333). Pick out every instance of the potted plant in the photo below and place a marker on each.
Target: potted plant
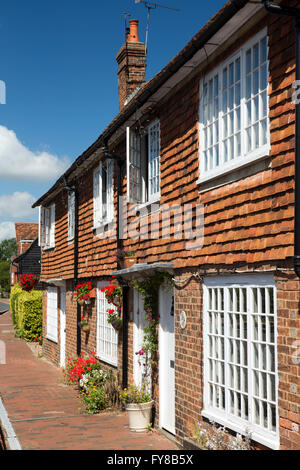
(114, 319)
(113, 293)
(139, 406)
(126, 258)
(84, 324)
(82, 293)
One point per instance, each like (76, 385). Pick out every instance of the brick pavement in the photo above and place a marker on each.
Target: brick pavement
(45, 413)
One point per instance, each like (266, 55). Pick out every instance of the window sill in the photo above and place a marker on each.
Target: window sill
(49, 248)
(101, 228)
(146, 205)
(53, 340)
(240, 163)
(269, 441)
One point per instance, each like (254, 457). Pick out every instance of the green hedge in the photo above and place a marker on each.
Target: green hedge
(27, 312)
(15, 293)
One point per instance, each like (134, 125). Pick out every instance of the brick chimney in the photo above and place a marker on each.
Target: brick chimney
(131, 59)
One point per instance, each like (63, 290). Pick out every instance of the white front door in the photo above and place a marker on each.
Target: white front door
(166, 361)
(138, 336)
(62, 327)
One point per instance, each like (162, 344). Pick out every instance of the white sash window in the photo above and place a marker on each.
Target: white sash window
(143, 164)
(240, 370)
(233, 119)
(103, 193)
(47, 227)
(71, 215)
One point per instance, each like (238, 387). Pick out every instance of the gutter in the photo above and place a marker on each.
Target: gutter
(197, 42)
(293, 12)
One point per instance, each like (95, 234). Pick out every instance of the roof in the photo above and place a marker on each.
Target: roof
(227, 12)
(25, 231)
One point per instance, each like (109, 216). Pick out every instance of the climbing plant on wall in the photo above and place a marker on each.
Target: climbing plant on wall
(149, 289)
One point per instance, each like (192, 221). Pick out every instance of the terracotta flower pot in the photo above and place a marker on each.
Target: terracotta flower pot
(92, 293)
(86, 328)
(129, 261)
(140, 415)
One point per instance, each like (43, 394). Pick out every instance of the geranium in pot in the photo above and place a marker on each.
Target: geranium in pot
(113, 293)
(126, 258)
(139, 404)
(82, 293)
(114, 318)
(84, 324)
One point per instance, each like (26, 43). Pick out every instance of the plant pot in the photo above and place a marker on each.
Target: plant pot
(92, 293)
(81, 302)
(129, 261)
(140, 415)
(117, 324)
(86, 328)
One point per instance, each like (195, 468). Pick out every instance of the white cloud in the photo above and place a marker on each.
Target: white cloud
(17, 205)
(7, 230)
(17, 162)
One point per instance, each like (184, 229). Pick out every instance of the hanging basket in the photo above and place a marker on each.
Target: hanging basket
(86, 328)
(117, 324)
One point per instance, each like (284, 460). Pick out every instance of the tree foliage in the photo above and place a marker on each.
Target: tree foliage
(8, 248)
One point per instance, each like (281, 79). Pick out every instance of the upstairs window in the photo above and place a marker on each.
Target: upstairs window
(143, 165)
(234, 125)
(47, 227)
(103, 194)
(71, 215)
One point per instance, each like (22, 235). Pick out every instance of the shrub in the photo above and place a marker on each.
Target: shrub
(26, 310)
(95, 399)
(32, 311)
(14, 296)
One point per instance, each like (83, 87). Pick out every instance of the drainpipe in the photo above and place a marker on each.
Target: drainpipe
(294, 12)
(120, 163)
(75, 254)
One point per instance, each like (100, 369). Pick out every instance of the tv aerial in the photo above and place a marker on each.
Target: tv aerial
(152, 6)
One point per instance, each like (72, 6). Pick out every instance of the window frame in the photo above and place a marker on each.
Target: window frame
(101, 324)
(246, 158)
(223, 416)
(52, 329)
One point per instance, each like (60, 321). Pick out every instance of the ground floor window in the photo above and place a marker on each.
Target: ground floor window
(51, 322)
(240, 373)
(107, 337)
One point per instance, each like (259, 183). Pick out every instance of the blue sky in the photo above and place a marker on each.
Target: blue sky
(58, 65)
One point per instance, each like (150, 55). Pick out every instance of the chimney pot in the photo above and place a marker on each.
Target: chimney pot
(133, 35)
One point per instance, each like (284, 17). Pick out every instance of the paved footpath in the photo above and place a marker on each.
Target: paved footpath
(45, 414)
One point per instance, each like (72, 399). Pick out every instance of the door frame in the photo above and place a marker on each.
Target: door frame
(163, 366)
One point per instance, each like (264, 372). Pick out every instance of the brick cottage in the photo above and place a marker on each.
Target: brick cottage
(196, 177)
